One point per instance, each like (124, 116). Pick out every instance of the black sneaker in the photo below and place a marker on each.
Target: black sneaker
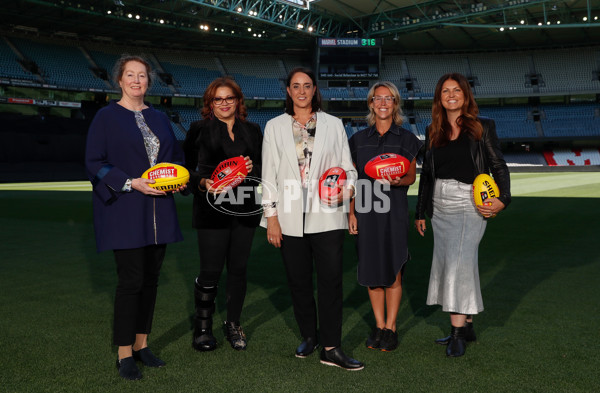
(306, 347)
(374, 338)
(389, 340)
(146, 356)
(336, 357)
(128, 369)
(235, 335)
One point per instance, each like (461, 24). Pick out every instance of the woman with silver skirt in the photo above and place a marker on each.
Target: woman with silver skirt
(459, 146)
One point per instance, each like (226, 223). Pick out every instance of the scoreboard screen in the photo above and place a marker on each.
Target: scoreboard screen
(348, 58)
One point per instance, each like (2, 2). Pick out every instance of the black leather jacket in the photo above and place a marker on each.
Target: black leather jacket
(486, 155)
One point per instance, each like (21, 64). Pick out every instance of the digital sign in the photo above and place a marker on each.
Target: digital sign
(348, 58)
(350, 42)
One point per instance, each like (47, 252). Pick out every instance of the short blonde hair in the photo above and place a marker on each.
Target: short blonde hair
(397, 114)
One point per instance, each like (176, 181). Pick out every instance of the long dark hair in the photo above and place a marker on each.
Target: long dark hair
(241, 112)
(316, 100)
(440, 128)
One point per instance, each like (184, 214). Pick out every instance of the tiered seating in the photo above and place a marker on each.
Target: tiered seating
(9, 67)
(258, 76)
(570, 121)
(360, 92)
(187, 115)
(500, 73)
(60, 65)
(511, 122)
(263, 116)
(189, 80)
(571, 157)
(567, 71)
(428, 69)
(335, 93)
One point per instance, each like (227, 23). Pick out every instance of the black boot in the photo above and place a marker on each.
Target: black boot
(469, 335)
(456, 345)
(205, 307)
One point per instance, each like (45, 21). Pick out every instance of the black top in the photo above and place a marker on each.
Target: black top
(207, 143)
(453, 161)
(486, 157)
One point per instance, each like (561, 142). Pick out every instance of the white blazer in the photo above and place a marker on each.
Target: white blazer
(281, 182)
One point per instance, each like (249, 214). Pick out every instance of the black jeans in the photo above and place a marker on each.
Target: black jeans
(326, 249)
(138, 270)
(226, 247)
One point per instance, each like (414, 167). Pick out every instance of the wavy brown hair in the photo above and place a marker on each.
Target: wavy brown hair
(440, 129)
(241, 112)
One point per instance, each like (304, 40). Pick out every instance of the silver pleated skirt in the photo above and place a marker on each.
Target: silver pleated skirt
(457, 231)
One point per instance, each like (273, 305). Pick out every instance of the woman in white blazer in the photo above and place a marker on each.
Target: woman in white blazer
(298, 147)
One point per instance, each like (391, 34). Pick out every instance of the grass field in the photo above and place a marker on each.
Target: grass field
(540, 277)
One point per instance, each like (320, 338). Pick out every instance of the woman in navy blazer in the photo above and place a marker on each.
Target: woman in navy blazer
(130, 217)
(298, 147)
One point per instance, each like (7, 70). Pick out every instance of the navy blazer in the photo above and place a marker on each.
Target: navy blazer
(115, 151)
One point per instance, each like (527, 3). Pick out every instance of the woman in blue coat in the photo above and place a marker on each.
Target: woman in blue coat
(131, 218)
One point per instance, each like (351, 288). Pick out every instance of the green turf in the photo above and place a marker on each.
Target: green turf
(540, 270)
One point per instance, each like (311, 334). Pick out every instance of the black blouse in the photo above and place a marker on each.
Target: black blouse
(453, 161)
(207, 143)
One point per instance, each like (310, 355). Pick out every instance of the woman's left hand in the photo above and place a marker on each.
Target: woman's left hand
(491, 210)
(249, 165)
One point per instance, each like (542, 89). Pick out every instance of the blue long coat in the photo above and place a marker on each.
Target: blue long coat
(115, 151)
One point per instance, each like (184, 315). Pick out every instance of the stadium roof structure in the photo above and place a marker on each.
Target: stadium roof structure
(279, 25)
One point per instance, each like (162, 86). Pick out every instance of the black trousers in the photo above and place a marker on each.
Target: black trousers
(226, 247)
(138, 270)
(326, 249)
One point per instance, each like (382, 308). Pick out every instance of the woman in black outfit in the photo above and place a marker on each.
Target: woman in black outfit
(459, 146)
(225, 224)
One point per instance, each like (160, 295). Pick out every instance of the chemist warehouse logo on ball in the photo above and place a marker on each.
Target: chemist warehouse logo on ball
(370, 196)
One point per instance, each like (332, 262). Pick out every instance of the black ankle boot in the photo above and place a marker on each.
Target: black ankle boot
(456, 345)
(205, 308)
(469, 335)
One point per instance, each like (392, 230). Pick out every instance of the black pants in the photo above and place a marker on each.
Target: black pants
(229, 246)
(326, 249)
(138, 270)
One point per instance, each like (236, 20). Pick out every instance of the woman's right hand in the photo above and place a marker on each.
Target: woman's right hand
(274, 235)
(207, 185)
(141, 185)
(421, 227)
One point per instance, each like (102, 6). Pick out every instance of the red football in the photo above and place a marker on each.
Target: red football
(387, 164)
(331, 182)
(229, 173)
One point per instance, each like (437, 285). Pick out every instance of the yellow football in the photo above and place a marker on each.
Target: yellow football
(168, 177)
(484, 187)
